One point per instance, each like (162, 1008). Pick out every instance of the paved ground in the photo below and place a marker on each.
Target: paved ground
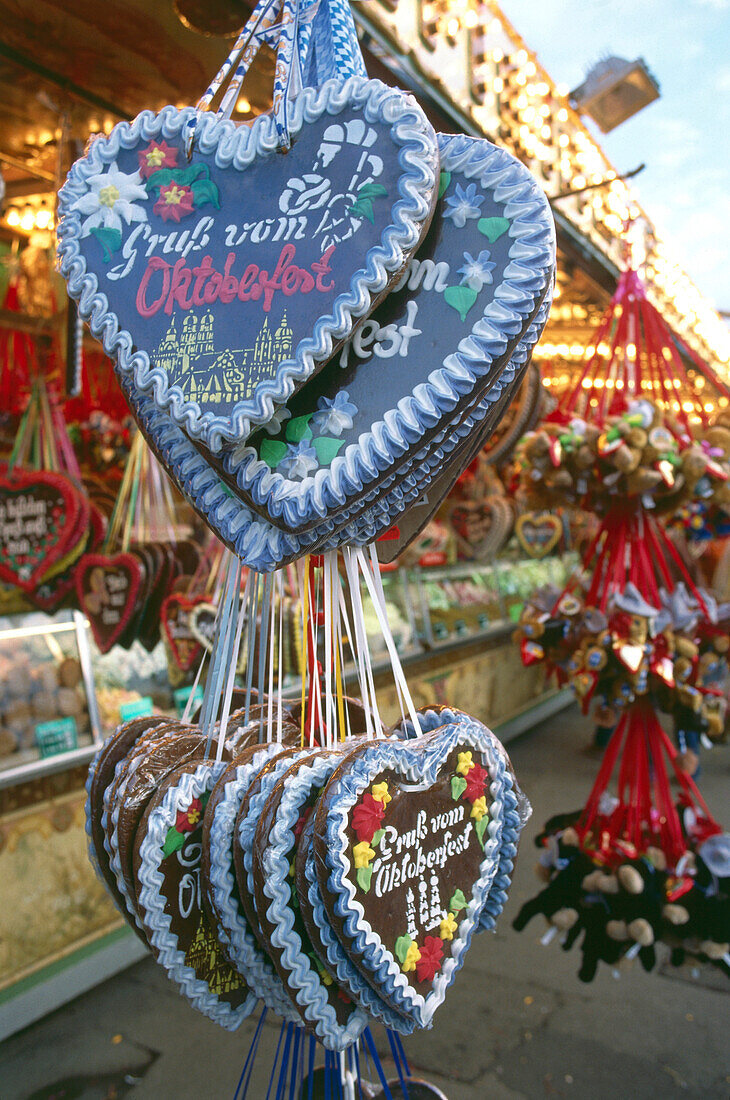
(516, 1024)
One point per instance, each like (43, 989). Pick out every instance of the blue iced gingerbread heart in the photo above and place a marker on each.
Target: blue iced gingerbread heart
(427, 353)
(221, 282)
(407, 841)
(257, 542)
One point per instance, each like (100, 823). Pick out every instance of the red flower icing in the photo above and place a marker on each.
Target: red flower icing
(157, 155)
(475, 783)
(188, 820)
(175, 202)
(366, 817)
(429, 964)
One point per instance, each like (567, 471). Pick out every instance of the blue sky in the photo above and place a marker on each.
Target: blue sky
(684, 137)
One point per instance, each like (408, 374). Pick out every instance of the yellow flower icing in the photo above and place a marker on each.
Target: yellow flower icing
(412, 957)
(465, 763)
(479, 808)
(363, 853)
(380, 793)
(447, 927)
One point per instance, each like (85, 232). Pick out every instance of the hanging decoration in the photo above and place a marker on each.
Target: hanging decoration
(633, 634)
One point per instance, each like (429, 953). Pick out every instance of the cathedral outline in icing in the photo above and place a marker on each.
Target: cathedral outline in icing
(188, 354)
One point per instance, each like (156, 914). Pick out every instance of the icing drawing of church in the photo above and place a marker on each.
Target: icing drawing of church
(211, 377)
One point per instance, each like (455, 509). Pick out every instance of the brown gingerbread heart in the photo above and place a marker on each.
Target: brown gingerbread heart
(108, 586)
(538, 533)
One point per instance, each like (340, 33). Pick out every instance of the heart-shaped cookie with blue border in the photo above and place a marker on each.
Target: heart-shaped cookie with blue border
(429, 351)
(180, 931)
(221, 282)
(517, 808)
(407, 840)
(324, 1007)
(258, 543)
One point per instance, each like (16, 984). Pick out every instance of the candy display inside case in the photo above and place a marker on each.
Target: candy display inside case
(518, 577)
(470, 600)
(49, 719)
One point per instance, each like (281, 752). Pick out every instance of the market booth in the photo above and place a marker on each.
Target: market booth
(453, 599)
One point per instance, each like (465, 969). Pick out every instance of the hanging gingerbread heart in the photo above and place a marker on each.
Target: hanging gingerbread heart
(39, 513)
(180, 931)
(107, 586)
(262, 546)
(538, 533)
(407, 841)
(227, 314)
(186, 649)
(201, 621)
(425, 357)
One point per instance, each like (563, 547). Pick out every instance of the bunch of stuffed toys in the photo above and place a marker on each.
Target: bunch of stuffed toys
(672, 653)
(623, 901)
(641, 454)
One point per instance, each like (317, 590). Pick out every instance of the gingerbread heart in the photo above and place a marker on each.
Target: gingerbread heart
(407, 842)
(107, 586)
(429, 351)
(538, 533)
(223, 281)
(201, 621)
(323, 1006)
(180, 932)
(240, 943)
(39, 513)
(186, 649)
(101, 775)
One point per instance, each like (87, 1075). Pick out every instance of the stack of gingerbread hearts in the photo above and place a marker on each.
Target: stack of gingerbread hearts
(122, 584)
(336, 884)
(311, 344)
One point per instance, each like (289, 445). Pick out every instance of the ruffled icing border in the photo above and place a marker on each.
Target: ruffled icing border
(236, 147)
(192, 785)
(303, 978)
(243, 947)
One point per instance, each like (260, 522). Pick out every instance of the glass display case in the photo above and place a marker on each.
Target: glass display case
(48, 714)
(59, 696)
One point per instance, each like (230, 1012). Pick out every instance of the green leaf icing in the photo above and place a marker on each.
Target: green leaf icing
(444, 181)
(173, 841)
(460, 298)
(298, 428)
(377, 838)
(481, 828)
(458, 901)
(401, 948)
(327, 448)
(364, 874)
(109, 239)
(271, 452)
(493, 228)
(458, 786)
(205, 191)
